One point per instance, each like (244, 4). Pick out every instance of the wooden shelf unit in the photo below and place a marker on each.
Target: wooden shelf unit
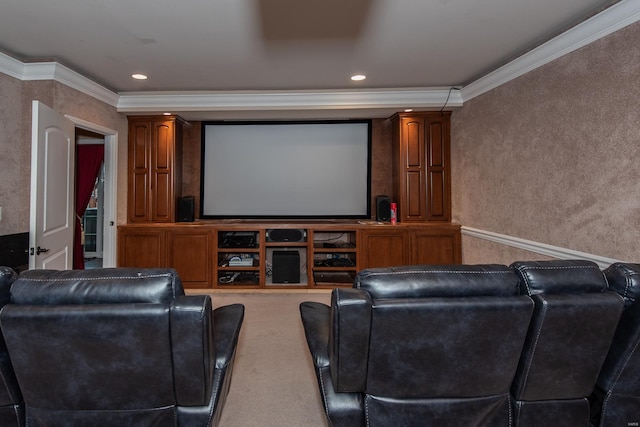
(331, 253)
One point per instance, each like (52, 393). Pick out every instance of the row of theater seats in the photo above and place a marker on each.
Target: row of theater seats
(112, 347)
(539, 344)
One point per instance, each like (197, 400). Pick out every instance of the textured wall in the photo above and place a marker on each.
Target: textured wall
(14, 189)
(15, 142)
(553, 156)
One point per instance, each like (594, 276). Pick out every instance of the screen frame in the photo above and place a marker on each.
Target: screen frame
(319, 216)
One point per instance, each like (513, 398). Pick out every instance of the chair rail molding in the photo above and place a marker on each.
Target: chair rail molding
(537, 247)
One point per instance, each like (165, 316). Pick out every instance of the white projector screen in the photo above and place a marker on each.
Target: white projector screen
(285, 169)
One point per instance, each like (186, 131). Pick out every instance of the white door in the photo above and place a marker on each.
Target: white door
(52, 190)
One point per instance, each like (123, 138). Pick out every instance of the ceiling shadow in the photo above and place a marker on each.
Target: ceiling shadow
(300, 20)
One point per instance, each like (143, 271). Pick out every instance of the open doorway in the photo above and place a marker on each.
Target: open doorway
(92, 221)
(108, 192)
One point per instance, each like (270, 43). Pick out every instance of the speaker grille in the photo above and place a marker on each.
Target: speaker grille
(286, 235)
(383, 208)
(186, 207)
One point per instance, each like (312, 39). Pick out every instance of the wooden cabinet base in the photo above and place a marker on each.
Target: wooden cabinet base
(221, 255)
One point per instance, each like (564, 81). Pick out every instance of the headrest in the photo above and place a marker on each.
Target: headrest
(423, 281)
(559, 276)
(96, 286)
(7, 277)
(624, 278)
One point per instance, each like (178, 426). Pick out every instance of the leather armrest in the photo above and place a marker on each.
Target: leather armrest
(227, 321)
(316, 319)
(192, 348)
(349, 338)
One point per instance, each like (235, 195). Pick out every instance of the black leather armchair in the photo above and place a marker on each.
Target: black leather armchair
(118, 347)
(616, 398)
(572, 327)
(11, 406)
(419, 346)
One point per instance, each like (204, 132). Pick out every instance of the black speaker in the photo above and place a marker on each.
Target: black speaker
(383, 208)
(186, 206)
(286, 267)
(285, 235)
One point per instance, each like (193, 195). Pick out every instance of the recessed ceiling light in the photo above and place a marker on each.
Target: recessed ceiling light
(408, 110)
(167, 114)
(358, 77)
(139, 76)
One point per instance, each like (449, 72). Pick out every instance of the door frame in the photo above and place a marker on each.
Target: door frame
(110, 193)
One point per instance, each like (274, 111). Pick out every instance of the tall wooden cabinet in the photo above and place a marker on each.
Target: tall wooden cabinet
(421, 166)
(155, 164)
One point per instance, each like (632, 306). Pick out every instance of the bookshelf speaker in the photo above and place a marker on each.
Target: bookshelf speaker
(186, 206)
(383, 208)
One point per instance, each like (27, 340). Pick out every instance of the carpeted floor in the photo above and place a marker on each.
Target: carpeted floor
(273, 383)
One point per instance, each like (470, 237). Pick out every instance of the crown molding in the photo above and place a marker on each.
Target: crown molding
(537, 247)
(289, 100)
(11, 66)
(612, 19)
(62, 74)
(34, 71)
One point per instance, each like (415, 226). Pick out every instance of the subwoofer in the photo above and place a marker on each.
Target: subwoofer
(286, 267)
(383, 208)
(186, 207)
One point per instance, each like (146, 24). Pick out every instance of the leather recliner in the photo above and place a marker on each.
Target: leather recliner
(419, 346)
(616, 398)
(11, 405)
(571, 330)
(118, 347)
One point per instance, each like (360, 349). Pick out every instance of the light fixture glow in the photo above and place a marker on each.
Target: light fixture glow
(358, 77)
(139, 76)
(167, 114)
(408, 110)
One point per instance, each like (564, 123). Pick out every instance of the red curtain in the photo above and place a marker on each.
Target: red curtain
(89, 158)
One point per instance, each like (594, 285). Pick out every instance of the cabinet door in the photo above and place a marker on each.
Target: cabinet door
(383, 248)
(141, 248)
(439, 246)
(437, 170)
(162, 172)
(139, 166)
(154, 168)
(421, 166)
(190, 252)
(413, 197)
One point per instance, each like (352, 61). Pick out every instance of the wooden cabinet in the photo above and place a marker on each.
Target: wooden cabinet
(155, 150)
(188, 251)
(384, 247)
(441, 245)
(141, 247)
(421, 166)
(409, 245)
(221, 255)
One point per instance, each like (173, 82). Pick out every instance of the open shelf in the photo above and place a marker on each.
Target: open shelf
(334, 257)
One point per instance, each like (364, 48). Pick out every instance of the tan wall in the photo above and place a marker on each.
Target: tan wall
(15, 142)
(554, 156)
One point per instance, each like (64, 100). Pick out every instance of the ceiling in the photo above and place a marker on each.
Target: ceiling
(270, 47)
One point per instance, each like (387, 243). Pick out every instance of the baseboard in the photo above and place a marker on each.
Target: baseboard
(537, 247)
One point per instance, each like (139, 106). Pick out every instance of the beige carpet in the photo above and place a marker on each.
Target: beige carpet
(273, 381)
